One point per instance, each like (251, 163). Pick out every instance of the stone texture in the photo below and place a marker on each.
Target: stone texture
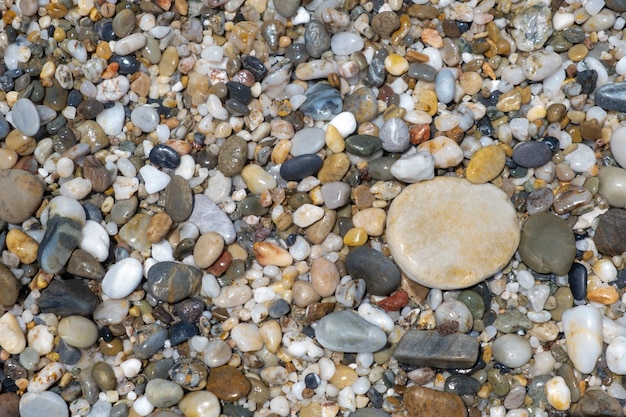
(68, 298)
(475, 226)
(344, 331)
(380, 273)
(238, 385)
(609, 237)
(426, 402)
(20, 195)
(611, 96)
(10, 286)
(597, 403)
(172, 281)
(430, 348)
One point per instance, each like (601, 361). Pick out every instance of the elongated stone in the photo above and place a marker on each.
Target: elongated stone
(611, 96)
(344, 331)
(430, 348)
(582, 326)
(68, 298)
(426, 402)
(61, 238)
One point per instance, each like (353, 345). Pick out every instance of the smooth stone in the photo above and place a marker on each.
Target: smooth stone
(597, 403)
(577, 278)
(92, 134)
(11, 337)
(485, 164)
(426, 402)
(612, 185)
(62, 236)
(430, 348)
(484, 237)
(238, 385)
(363, 145)
(336, 194)
(461, 385)
(445, 85)
(257, 179)
(362, 103)
(380, 273)
(45, 403)
(123, 210)
(134, 232)
(84, 265)
(163, 393)
(532, 154)
(103, 375)
(78, 332)
(173, 282)
(547, 244)
(369, 412)
(334, 168)
(10, 286)
(454, 311)
(25, 116)
(323, 102)
(68, 298)
(609, 235)
(164, 156)
(9, 404)
(122, 278)
(344, 331)
(200, 404)
(151, 339)
(582, 326)
(300, 167)
(209, 217)
(512, 321)
(539, 200)
(181, 332)
(380, 168)
(316, 38)
(511, 350)
(15, 207)
(232, 156)
(178, 199)
(307, 141)
(394, 135)
(422, 72)
(611, 96)
(287, 8)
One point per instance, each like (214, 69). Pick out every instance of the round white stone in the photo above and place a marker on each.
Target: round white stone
(155, 179)
(122, 278)
(448, 233)
(616, 355)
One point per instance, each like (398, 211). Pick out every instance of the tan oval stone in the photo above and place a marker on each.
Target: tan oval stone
(304, 294)
(208, 248)
(158, 227)
(267, 253)
(324, 277)
(485, 165)
(257, 179)
(334, 168)
(15, 207)
(471, 230)
(372, 220)
(24, 246)
(317, 232)
(10, 286)
(11, 337)
(20, 143)
(8, 158)
(426, 402)
(344, 377)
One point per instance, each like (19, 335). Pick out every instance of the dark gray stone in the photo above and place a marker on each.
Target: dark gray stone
(380, 273)
(609, 237)
(363, 145)
(151, 339)
(61, 238)
(68, 298)
(429, 348)
(532, 154)
(84, 265)
(461, 385)
(316, 38)
(300, 166)
(322, 102)
(173, 281)
(178, 199)
(345, 331)
(612, 96)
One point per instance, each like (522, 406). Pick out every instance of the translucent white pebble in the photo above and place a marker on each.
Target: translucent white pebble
(122, 278)
(558, 394)
(142, 406)
(345, 123)
(66, 207)
(95, 240)
(377, 316)
(46, 377)
(155, 179)
(618, 144)
(605, 270)
(612, 329)
(65, 167)
(582, 326)
(327, 368)
(131, 367)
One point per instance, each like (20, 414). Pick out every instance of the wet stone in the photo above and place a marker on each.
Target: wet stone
(380, 168)
(380, 273)
(164, 156)
(279, 308)
(123, 210)
(539, 200)
(152, 338)
(173, 282)
(61, 238)
(68, 298)
(287, 8)
(178, 199)
(577, 278)
(84, 265)
(188, 310)
(532, 154)
(587, 79)
(238, 387)
(316, 38)
(426, 402)
(512, 321)
(344, 331)
(611, 96)
(181, 332)
(461, 385)
(89, 108)
(10, 286)
(301, 166)
(363, 145)
(596, 403)
(232, 156)
(361, 103)
(323, 102)
(17, 207)
(610, 232)
(430, 348)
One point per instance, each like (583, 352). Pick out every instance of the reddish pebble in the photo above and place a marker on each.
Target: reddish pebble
(419, 133)
(395, 301)
(221, 265)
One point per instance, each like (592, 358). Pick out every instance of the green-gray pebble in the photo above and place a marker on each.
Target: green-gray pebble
(363, 145)
(474, 303)
(232, 156)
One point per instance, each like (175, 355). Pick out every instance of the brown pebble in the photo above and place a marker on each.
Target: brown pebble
(363, 197)
(426, 402)
(221, 264)
(317, 232)
(334, 168)
(238, 385)
(10, 287)
(324, 276)
(556, 112)
(450, 28)
(590, 129)
(20, 195)
(94, 171)
(9, 404)
(158, 227)
(316, 311)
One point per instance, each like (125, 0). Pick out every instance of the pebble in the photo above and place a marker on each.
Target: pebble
(78, 331)
(485, 165)
(11, 286)
(607, 237)
(67, 298)
(609, 96)
(381, 275)
(611, 183)
(238, 385)
(15, 208)
(122, 278)
(511, 350)
(426, 402)
(343, 331)
(172, 281)
(433, 210)
(299, 167)
(430, 348)
(445, 86)
(25, 117)
(11, 337)
(47, 402)
(532, 154)
(582, 326)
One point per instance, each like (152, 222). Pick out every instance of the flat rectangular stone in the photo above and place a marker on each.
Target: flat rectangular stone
(429, 348)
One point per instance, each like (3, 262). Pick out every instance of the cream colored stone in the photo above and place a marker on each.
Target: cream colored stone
(371, 219)
(11, 337)
(448, 233)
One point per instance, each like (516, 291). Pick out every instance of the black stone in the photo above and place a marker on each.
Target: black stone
(380, 273)
(74, 98)
(279, 308)
(375, 397)
(106, 334)
(532, 154)
(588, 80)
(255, 66)
(128, 64)
(239, 92)
(461, 385)
(311, 381)
(236, 107)
(181, 332)
(552, 142)
(577, 277)
(68, 298)
(301, 166)
(612, 96)
(484, 126)
(188, 310)
(164, 156)
(104, 29)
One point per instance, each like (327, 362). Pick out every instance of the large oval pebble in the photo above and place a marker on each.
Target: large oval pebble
(344, 331)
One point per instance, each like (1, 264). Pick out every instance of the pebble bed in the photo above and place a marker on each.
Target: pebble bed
(195, 198)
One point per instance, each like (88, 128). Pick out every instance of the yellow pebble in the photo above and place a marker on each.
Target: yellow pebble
(22, 245)
(344, 377)
(280, 153)
(577, 52)
(535, 113)
(484, 391)
(603, 295)
(357, 236)
(48, 69)
(396, 64)
(509, 101)
(103, 50)
(59, 34)
(486, 164)
(134, 311)
(429, 98)
(334, 140)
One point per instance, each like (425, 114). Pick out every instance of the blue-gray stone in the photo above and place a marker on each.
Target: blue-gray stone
(300, 166)
(421, 71)
(279, 308)
(25, 116)
(119, 410)
(532, 154)
(172, 281)
(68, 298)
(461, 385)
(155, 337)
(336, 194)
(445, 86)
(322, 102)
(395, 135)
(233, 410)
(430, 348)
(380, 273)
(69, 355)
(612, 96)
(45, 403)
(61, 238)
(4, 127)
(164, 156)
(376, 72)
(316, 38)
(345, 331)
(181, 332)
(209, 217)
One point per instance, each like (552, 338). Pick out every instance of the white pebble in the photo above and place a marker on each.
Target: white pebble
(605, 270)
(122, 278)
(376, 316)
(65, 167)
(582, 326)
(41, 339)
(307, 214)
(525, 279)
(345, 123)
(142, 406)
(112, 119)
(346, 399)
(558, 394)
(618, 144)
(45, 378)
(280, 406)
(95, 240)
(582, 159)
(187, 167)
(327, 368)
(301, 249)
(76, 188)
(155, 179)
(131, 367)
(447, 152)
(416, 167)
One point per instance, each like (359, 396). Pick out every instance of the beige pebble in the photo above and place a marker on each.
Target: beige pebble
(485, 164)
(304, 294)
(334, 140)
(200, 404)
(208, 248)
(471, 82)
(324, 277)
(257, 179)
(24, 246)
(158, 227)
(8, 158)
(272, 334)
(372, 220)
(280, 153)
(267, 253)
(11, 337)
